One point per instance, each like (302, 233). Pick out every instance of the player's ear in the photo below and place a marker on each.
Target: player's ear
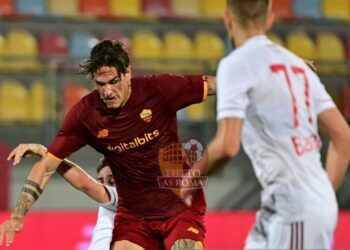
(128, 74)
(270, 20)
(227, 17)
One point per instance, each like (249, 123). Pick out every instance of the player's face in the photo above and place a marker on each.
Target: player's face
(105, 176)
(114, 90)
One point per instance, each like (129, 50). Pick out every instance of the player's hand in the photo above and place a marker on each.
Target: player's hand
(311, 64)
(26, 150)
(8, 229)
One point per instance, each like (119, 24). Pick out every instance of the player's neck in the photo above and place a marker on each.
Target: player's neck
(241, 35)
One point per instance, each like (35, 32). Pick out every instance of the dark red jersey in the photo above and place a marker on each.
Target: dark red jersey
(130, 138)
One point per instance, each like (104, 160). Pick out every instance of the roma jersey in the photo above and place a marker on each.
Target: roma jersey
(131, 138)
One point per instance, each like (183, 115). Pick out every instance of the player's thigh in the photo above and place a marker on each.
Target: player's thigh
(310, 233)
(134, 234)
(185, 232)
(257, 237)
(126, 245)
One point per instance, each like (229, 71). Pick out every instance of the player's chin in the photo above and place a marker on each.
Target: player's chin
(113, 105)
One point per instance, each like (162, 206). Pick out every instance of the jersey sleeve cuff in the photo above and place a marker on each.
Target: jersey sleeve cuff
(325, 105)
(230, 113)
(112, 204)
(205, 88)
(54, 157)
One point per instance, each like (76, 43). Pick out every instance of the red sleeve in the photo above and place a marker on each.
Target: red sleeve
(70, 137)
(181, 91)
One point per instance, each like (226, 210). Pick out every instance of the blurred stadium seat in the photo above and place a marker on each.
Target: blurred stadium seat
(63, 7)
(186, 8)
(80, 44)
(308, 8)
(282, 8)
(94, 7)
(36, 102)
(336, 9)
(33, 7)
(22, 50)
(276, 39)
(146, 44)
(197, 112)
(72, 93)
(3, 53)
(208, 46)
(157, 8)
(329, 47)
(177, 45)
(13, 101)
(213, 8)
(330, 50)
(53, 44)
(122, 8)
(301, 44)
(6, 7)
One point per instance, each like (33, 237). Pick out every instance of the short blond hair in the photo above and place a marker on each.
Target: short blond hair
(248, 11)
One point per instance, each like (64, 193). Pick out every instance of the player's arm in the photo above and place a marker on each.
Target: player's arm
(338, 157)
(226, 143)
(70, 171)
(31, 191)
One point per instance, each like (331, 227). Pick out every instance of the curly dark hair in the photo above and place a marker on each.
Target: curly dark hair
(106, 53)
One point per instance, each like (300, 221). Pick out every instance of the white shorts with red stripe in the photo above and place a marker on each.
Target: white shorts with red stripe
(272, 232)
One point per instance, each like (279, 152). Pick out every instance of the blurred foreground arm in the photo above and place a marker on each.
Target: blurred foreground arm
(338, 157)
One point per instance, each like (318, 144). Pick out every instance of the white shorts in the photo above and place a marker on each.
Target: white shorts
(271, 232)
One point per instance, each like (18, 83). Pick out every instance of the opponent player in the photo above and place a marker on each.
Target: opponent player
(270, 97)
(78, 178)
(129, 120)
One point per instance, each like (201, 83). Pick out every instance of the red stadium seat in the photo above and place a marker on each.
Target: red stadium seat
(73, 92)
(157, 8)
(6, 7)
(282, 8)
(53, 44)
(94, 7)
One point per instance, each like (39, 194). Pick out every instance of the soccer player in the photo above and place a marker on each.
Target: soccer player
(129, 119)
(78, 178)
(102, 234)
(272, 100)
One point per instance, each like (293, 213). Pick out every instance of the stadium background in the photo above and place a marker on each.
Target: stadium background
(41, 43)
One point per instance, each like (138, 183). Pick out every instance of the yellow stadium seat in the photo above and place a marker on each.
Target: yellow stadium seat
(177, 45)
(22, 50)
(36, 112)
(336, 9)
(197, 112)
(208, 46)
(330, 53)
(301, 44)
(147, 45)
(130, 8)
(13, 102)
(179, 49)
(2, 53)
(63, 7)
(147, 49)
(186, 8)
(213, 8)
(276, 39)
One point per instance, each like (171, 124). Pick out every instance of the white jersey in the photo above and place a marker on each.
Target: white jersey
(103, 231)
(279, 97)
